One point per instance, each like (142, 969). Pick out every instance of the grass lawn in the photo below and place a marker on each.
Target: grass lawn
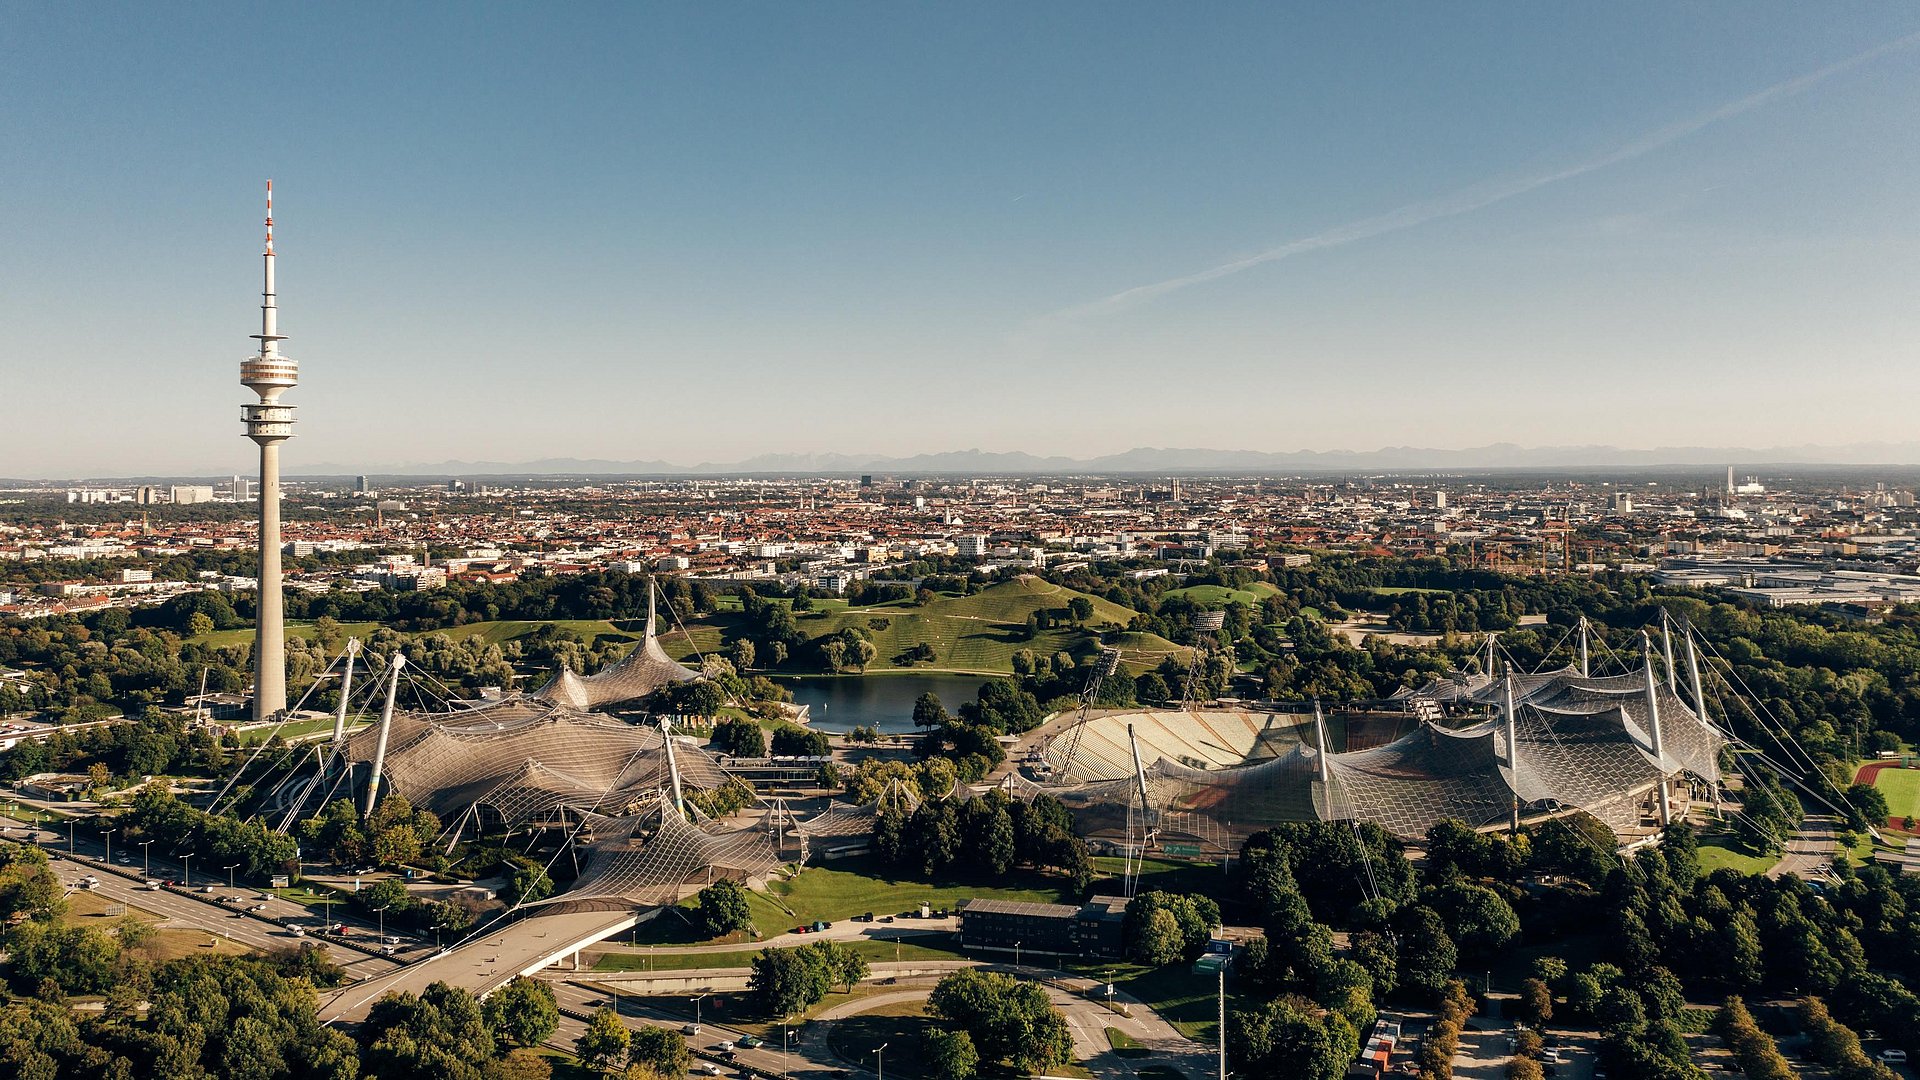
(1163, 874)
(1220, 594)
(1902, 789)
(1399, 590)
(295, 630)
(1124, 1044)
(853, 886)
(977, 633)
(169, 943)
(1718, 852)
(738, 1009)
(875, 952)
(1182, 998)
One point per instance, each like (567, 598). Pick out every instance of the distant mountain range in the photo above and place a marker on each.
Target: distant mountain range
(1170, 460)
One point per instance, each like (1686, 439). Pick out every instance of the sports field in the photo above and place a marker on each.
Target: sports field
(1902, 789)
(1221, 595)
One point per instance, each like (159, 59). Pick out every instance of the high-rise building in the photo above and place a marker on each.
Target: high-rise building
(362, 486)
(269, 423)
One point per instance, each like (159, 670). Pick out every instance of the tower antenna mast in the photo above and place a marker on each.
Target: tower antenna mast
(269, 423)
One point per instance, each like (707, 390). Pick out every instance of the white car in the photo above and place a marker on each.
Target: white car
(724, 1045)
(690, 1029)
(1894, 1056)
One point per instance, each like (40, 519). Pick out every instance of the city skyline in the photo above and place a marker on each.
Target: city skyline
(696, 237)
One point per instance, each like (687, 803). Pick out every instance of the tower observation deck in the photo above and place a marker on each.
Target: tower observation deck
(269, 423)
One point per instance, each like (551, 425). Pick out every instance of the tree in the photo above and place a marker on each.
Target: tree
(1283, 1039)
(603, 1045)
(1006, 1020)
(785, 982)
(1427, 954)
(1160, 942)
(740, 738)
(529, 884)
(1080, 608)
(523, 1012)
(442, 1033)
(1477, 919)
(662, 1049)
(1536, 1004)
(949, 1054)
(928, 712)
(723, 908)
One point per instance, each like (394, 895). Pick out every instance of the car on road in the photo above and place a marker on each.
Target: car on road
(208, 889)
(798, 930)
(1893, 1055)
(389, 950)
(124, 861)
(258, 907)
(297, 931)
(152, 885)
(750, 1041)
(709, 1069)
(690, 1029)
(724, 1045)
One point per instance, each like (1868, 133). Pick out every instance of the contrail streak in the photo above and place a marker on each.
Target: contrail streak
(1486, 193)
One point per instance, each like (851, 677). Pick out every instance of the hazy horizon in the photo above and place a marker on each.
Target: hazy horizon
(694, 235)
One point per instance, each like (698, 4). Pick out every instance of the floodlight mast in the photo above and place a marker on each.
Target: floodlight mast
(386, 727)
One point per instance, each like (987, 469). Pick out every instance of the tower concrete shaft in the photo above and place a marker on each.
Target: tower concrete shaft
(269, 423)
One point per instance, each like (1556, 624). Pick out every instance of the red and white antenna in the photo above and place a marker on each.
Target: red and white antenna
(269, 217)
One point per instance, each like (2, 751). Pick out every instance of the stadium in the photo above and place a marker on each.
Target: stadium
(617, 797)
(1488, 751)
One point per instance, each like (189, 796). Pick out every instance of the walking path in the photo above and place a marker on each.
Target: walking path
(1809, 848)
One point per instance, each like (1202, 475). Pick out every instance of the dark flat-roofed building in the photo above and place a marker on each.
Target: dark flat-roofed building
(1091, 929)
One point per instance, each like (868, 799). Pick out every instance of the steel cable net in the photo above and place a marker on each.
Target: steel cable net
(523, 758)
(1210, 739)
(641, 672)
(1582, 743)
(653, 857)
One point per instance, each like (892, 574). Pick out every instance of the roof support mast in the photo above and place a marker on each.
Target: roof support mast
(1136, 855)
(1666, 642)
(1585, 671)
(1320, 730)
(1700, 706)
(346, 687)
(1653, 729)
(1513, 757)
(386, 727)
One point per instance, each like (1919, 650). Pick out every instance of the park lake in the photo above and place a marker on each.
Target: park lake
(885, 702)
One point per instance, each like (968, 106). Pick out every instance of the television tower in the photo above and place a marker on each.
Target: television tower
(269, 424)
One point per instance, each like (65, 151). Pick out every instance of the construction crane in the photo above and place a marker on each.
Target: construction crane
(1104, 665)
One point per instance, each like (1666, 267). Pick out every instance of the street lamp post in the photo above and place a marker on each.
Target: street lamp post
(1016, 954)
(382, 912)
(880, 1060)
(146, 858)
(186, 870)
(108, 837)
(70, 822)
(696, 1009)
(785, 1031)
(230, 871)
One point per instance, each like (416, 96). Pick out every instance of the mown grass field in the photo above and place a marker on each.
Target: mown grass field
(1902, 789)
(301, 631)
(875, 952)
(975, 634)
(1221, 595)
(854, 886)
(169, 943)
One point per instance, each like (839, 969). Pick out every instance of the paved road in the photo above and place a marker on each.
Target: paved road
(807, 1056)
(123, 885)
(1810, 847)
(483, 962)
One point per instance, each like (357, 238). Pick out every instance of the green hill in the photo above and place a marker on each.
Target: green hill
(970, 634)
(1221, 595)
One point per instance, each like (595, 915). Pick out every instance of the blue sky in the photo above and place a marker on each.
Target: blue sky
(703, 232)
